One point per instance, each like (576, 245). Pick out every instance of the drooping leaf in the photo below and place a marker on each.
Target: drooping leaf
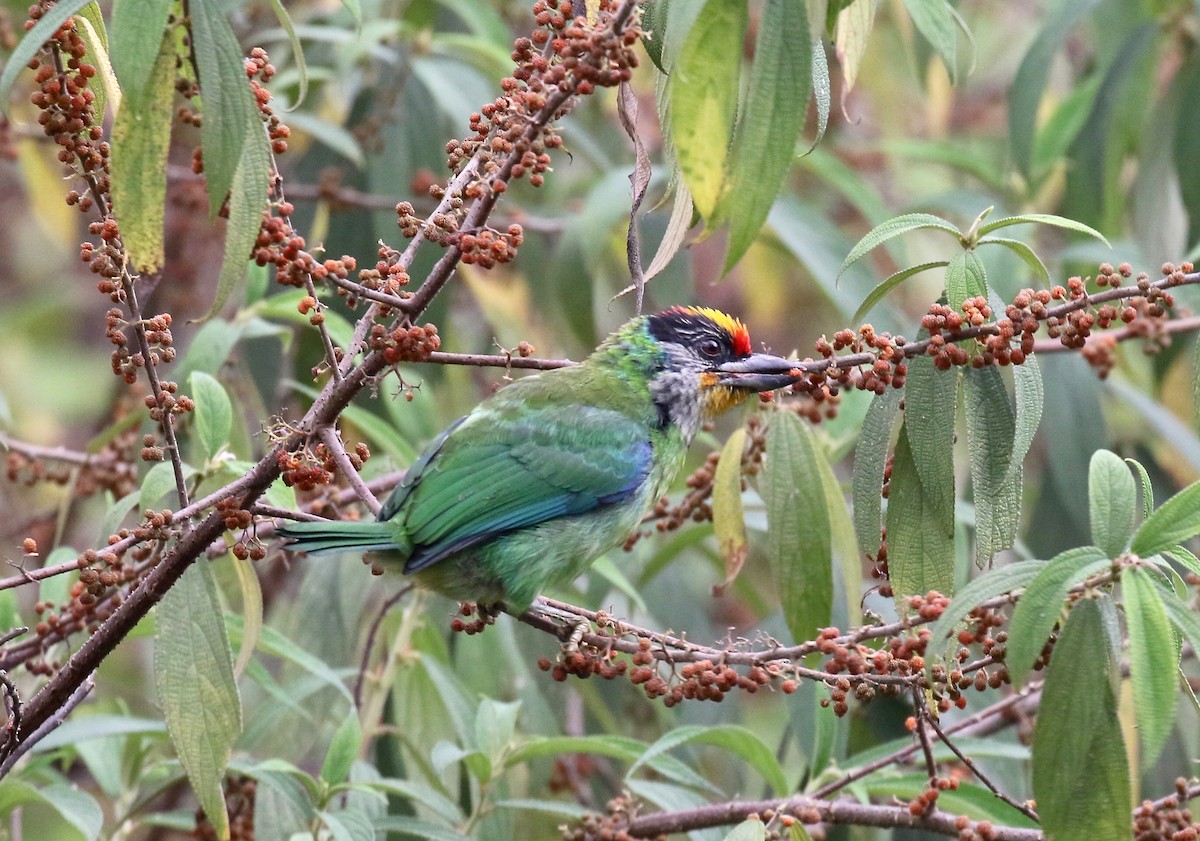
(1030, 399)
(728, 518)
(193, 672)
(920, 541)
(797, 541)
(870, 458)
(138, 30)
(106, 88)
(929, 410)
(1027, 255)
(935, 21)
(1043, 602)
(768, 123)
(1153, 661)
(1112, 499)
(1043, 219)
(229, 109)
(853, 28)
(703, 91)
(1077, 728)
(995, 492)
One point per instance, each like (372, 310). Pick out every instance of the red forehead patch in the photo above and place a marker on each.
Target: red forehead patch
(739, 336)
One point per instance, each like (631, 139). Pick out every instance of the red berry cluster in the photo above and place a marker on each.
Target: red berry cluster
(969, 830)
(167, 402)
(888, 369)
(126, 362)
(405, 344)
(260, 71)
(302, 471)
(609, 825)
(1167, 819)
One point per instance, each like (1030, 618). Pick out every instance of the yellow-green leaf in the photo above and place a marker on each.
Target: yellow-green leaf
(703, 91)
(728, 518)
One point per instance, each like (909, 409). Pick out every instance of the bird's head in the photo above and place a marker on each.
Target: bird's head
(708, 365)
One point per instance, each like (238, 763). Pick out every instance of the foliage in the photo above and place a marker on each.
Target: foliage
(947, 573)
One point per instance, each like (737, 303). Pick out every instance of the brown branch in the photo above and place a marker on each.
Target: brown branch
(979, 775)
(39, 452)
(333, 442)
(497, 360)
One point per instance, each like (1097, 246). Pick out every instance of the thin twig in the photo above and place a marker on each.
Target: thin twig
(369, 645)
(50, 724)
(966, 760)
(922, 713)
(333, 442)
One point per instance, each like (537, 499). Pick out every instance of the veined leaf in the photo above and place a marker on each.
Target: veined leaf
(193, 671)
(929, 409)
(893, 228)
(229, 110)
(1077, 728)
(920, 548)
(798, 541)
(1027, 254)
(1147, 488)
(617, 747)
(1112, 499)
(1043, 219)
(139, 30)
(1153, 661)
(870, 458)
(1030, 399)
(90, 22)
(1175, 521)
(1042, 604)
(820, 82)
(768, 125)
(703, 90)
(965, 278)
(891, 282)
(996, 492)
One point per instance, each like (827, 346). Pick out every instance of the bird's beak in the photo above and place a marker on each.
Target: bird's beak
(759, 372)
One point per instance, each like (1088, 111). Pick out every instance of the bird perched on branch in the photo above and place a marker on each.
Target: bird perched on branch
(540, 479)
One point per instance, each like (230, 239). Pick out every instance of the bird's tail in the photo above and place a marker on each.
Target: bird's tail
(333, 536)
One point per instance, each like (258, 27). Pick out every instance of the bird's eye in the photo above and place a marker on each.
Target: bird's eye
(710, 347)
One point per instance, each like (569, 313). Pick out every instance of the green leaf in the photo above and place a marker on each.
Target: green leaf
(890, 283)
(735, 739)
(929, 409)
(748, 830)
(1147, 488)
(1077, 728)
(229, 109)
(1153, 661)
(870, 458)
(934, 20)
(617, 747)
(348, 825)
(995, 492)
(79, 810)
(247, 200)
(892, 228)
(703, 95)
(139, 38)
(193, 672)
(820, 83)
(797, 542)
(214, 412)
(495, 725)
(1043, 219)
(141, 139)
(1176, 520)
(76, 730)
(343, 748)
(968, 799)
(1027, 254)
(920, 542)
(285, 21)
(729, 520)
(768, 124)
(419, 792)
(1042, 604)
(274, 643)
(90, 23)
(996, 582)
(1025, 93)
(160, 481)
(417, 828)
(1112, 498)
(1030, 399)
(965, 278)
(32, 43)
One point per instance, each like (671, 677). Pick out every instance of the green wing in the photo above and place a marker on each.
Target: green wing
(512, 464)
